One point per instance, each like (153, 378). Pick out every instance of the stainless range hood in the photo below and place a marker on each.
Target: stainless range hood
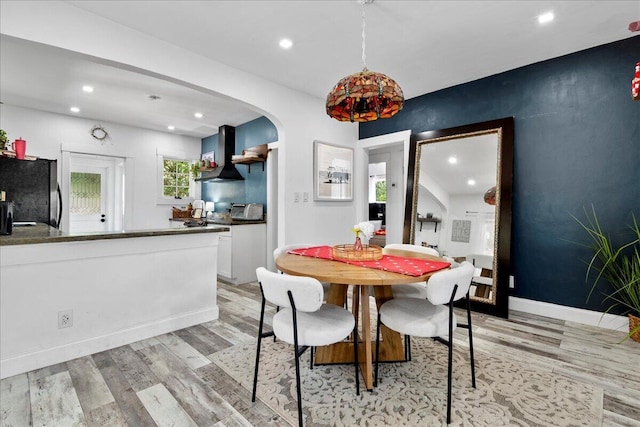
(226, 170)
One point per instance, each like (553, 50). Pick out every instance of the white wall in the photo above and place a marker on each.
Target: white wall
(468, 208)
(47, 134)
(299, 118)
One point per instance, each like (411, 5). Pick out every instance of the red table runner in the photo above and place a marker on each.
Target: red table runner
(394, 264)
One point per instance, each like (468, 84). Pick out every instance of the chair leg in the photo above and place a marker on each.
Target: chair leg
(375, 379)
(450, 367)
(255, 374)
(407, 348)
(296, 356)
(277, 310)
(356, 360)
(473, 365)
(311, 357)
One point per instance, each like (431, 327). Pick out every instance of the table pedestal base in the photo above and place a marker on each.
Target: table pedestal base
(391, 342)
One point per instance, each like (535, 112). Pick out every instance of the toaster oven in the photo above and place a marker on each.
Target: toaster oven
(247, 211)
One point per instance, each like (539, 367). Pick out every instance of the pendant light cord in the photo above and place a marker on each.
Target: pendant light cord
(364, 56)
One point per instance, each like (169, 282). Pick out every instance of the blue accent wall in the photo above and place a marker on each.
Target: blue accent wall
(254, 187)
(577, 144)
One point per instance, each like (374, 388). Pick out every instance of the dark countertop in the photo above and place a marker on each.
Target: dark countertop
(42, 233)
(227, 221)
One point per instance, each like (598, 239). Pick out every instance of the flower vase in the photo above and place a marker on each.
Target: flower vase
(357, 246)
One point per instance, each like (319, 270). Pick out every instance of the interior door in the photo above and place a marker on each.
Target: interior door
(92, 194)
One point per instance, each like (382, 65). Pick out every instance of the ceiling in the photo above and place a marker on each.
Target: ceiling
(423, 45)
(476, 158)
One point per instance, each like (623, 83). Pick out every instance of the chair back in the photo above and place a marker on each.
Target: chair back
(440, 285)
(481, 261)
(307, 292)
(285, 248)
(411, 248)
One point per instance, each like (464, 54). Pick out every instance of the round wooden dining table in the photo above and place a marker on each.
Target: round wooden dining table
(363, 279)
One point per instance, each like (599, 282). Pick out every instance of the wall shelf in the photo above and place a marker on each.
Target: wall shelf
(262, 152)
(435, 222)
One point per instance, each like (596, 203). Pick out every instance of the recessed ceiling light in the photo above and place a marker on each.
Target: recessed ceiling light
(286, 43)
(453, 160)
(87, 88)
(545, 18)
(197, 115)
(74, 109)
(171, 127)
(471, 182)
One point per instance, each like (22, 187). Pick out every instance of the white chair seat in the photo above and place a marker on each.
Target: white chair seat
(416, 317)
(328, 325)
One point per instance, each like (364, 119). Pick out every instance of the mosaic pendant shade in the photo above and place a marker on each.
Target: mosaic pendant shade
(365, 96)
(490, 196)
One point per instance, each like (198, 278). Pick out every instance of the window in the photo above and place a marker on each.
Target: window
(175, 181)
(378, 182)
(488, 235)
(175, 178)
(381, 191)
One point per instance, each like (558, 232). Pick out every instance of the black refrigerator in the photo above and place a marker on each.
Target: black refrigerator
(32, 185)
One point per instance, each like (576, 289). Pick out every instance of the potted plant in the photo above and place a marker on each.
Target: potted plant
(619, 266)
(3, 139)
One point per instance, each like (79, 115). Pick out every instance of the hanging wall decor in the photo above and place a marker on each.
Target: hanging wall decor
(99, 133)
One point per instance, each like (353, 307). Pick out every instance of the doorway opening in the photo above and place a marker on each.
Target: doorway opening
(95, 196)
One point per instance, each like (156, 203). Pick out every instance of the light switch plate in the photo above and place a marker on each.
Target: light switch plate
(296, 197)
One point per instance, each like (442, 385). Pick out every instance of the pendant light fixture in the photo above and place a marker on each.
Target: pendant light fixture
(365, 96)
(490, 196)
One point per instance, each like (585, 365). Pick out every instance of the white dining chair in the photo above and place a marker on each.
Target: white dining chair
(432, 317)
(482, 280)
(303, 321)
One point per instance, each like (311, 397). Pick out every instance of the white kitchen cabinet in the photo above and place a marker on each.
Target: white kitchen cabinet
(240, 251)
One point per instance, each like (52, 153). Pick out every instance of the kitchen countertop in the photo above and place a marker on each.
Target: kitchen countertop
(43, 233)
(227, 221)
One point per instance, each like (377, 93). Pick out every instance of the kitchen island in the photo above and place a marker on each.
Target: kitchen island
(64, 296)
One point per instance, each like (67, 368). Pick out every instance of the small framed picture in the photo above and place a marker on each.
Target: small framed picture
(332, 172)
(197, 213)
(208, 159)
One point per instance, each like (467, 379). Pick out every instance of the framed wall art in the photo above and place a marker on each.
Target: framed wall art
(460, 231)
(332, 172)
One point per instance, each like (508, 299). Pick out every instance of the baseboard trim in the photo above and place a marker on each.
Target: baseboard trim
(39, 359)
(572, 314)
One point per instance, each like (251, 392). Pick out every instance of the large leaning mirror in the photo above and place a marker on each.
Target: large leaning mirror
(459, 202)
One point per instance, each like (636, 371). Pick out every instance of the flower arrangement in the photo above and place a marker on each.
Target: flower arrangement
(366, 228)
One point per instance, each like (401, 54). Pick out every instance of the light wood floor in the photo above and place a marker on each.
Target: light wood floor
(169, 381)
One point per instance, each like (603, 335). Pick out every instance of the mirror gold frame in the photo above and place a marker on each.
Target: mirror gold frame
(503, 128)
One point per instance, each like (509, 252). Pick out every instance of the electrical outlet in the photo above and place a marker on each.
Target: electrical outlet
(65, 319)
(296, 197)
(305, 197)
(512, 282)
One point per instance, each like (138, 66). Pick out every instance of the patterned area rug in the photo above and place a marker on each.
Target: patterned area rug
(414, 393)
